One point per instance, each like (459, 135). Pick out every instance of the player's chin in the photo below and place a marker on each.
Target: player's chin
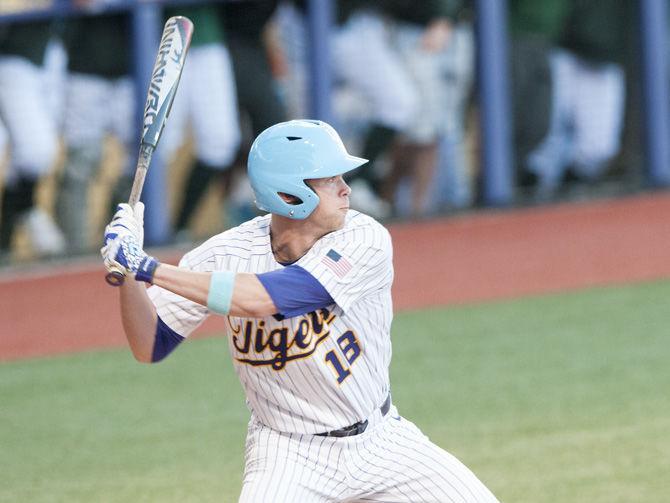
(338, 219)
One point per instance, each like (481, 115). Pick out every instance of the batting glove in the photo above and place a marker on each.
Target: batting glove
(125, 252)
(126, 221)
(124, 238)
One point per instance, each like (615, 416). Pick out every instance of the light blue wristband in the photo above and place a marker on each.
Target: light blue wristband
(220, 295)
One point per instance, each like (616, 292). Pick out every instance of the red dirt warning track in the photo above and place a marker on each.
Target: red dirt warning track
(485, 256)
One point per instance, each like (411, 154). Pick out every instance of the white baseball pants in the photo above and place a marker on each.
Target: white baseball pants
(26, 115)
(206, 100)
(587, 119)
(392, 461)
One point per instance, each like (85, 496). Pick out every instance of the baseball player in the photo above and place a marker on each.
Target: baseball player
(306, 292)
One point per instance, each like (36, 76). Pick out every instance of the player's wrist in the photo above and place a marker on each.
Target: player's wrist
(146, 269)
(220, 293)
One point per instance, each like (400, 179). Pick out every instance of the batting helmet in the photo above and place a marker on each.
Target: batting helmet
(283, 156)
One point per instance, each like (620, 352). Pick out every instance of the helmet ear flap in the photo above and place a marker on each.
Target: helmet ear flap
(278, 196)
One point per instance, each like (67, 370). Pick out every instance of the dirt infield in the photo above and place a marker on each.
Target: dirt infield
(484, 256)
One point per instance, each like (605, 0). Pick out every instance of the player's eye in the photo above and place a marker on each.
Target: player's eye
(332, 180)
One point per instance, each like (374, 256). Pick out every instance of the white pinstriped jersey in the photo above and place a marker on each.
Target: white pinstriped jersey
(316, 372)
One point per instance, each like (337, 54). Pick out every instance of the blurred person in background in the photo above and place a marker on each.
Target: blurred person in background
(246, 95)
(32, 134)
(258, 64)
(99, 101)
(535, 27)
(452, 188)
(588, 96)
(290, 35)
(365, 58)
(421, 34)
(206, 99)
(367, 62)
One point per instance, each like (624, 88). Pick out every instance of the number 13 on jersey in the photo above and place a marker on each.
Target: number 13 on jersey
(350, 350)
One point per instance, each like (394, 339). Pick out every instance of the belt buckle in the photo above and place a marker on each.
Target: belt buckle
(359, 427)
(351, 430)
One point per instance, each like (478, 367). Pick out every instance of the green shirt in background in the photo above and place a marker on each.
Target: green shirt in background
(538, 17)
(247, 19)
(599, 30)
(423, 12)
(412, 11)
(99, 45)
(208, 29)
(28, 40)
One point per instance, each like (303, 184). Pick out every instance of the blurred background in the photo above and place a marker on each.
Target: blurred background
(519, 154)
(458, 105)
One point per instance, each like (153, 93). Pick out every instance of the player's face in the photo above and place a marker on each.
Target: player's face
(333, 205)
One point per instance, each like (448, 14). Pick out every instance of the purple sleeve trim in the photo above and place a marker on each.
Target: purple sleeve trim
(294, 291)
(165, 342)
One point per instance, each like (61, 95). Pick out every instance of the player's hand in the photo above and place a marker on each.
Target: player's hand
(124, 239)
(124, 252)
(126, 221)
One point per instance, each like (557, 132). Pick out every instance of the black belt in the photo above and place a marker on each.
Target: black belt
(359, 427)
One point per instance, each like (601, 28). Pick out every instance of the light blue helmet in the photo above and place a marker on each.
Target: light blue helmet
(283, 156)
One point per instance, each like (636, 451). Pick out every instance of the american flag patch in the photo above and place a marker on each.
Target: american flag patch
(336, 263)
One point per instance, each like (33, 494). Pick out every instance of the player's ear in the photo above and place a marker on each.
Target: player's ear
(289, 199)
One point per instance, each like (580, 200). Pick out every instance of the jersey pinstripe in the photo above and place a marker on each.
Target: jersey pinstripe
(316, 372)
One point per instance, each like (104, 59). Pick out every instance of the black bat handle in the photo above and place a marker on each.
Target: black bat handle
(115, 278)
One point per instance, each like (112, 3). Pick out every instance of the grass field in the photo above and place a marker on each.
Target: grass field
(561, 398)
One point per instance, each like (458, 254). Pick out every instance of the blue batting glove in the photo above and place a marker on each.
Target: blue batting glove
(125, 252)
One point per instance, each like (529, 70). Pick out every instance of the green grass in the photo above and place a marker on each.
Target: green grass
(562, 398)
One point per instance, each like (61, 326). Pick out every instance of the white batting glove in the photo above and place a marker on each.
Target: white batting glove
(126, 221)
(124, 239)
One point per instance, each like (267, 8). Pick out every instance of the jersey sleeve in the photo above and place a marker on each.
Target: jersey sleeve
(181, 315)
(294, 291)
(352, 264)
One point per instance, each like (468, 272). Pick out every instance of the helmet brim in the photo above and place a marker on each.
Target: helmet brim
(349, 163)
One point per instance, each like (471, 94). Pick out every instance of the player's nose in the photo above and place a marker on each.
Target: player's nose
(345, 190)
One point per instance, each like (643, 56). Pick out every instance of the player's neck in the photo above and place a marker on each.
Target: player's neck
(291, 239)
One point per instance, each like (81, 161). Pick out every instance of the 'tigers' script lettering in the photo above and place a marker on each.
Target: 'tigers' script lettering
(254, 338)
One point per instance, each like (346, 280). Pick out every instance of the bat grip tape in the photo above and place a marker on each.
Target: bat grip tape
(220, 295)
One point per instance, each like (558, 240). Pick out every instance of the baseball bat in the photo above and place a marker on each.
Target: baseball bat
(165, 76)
